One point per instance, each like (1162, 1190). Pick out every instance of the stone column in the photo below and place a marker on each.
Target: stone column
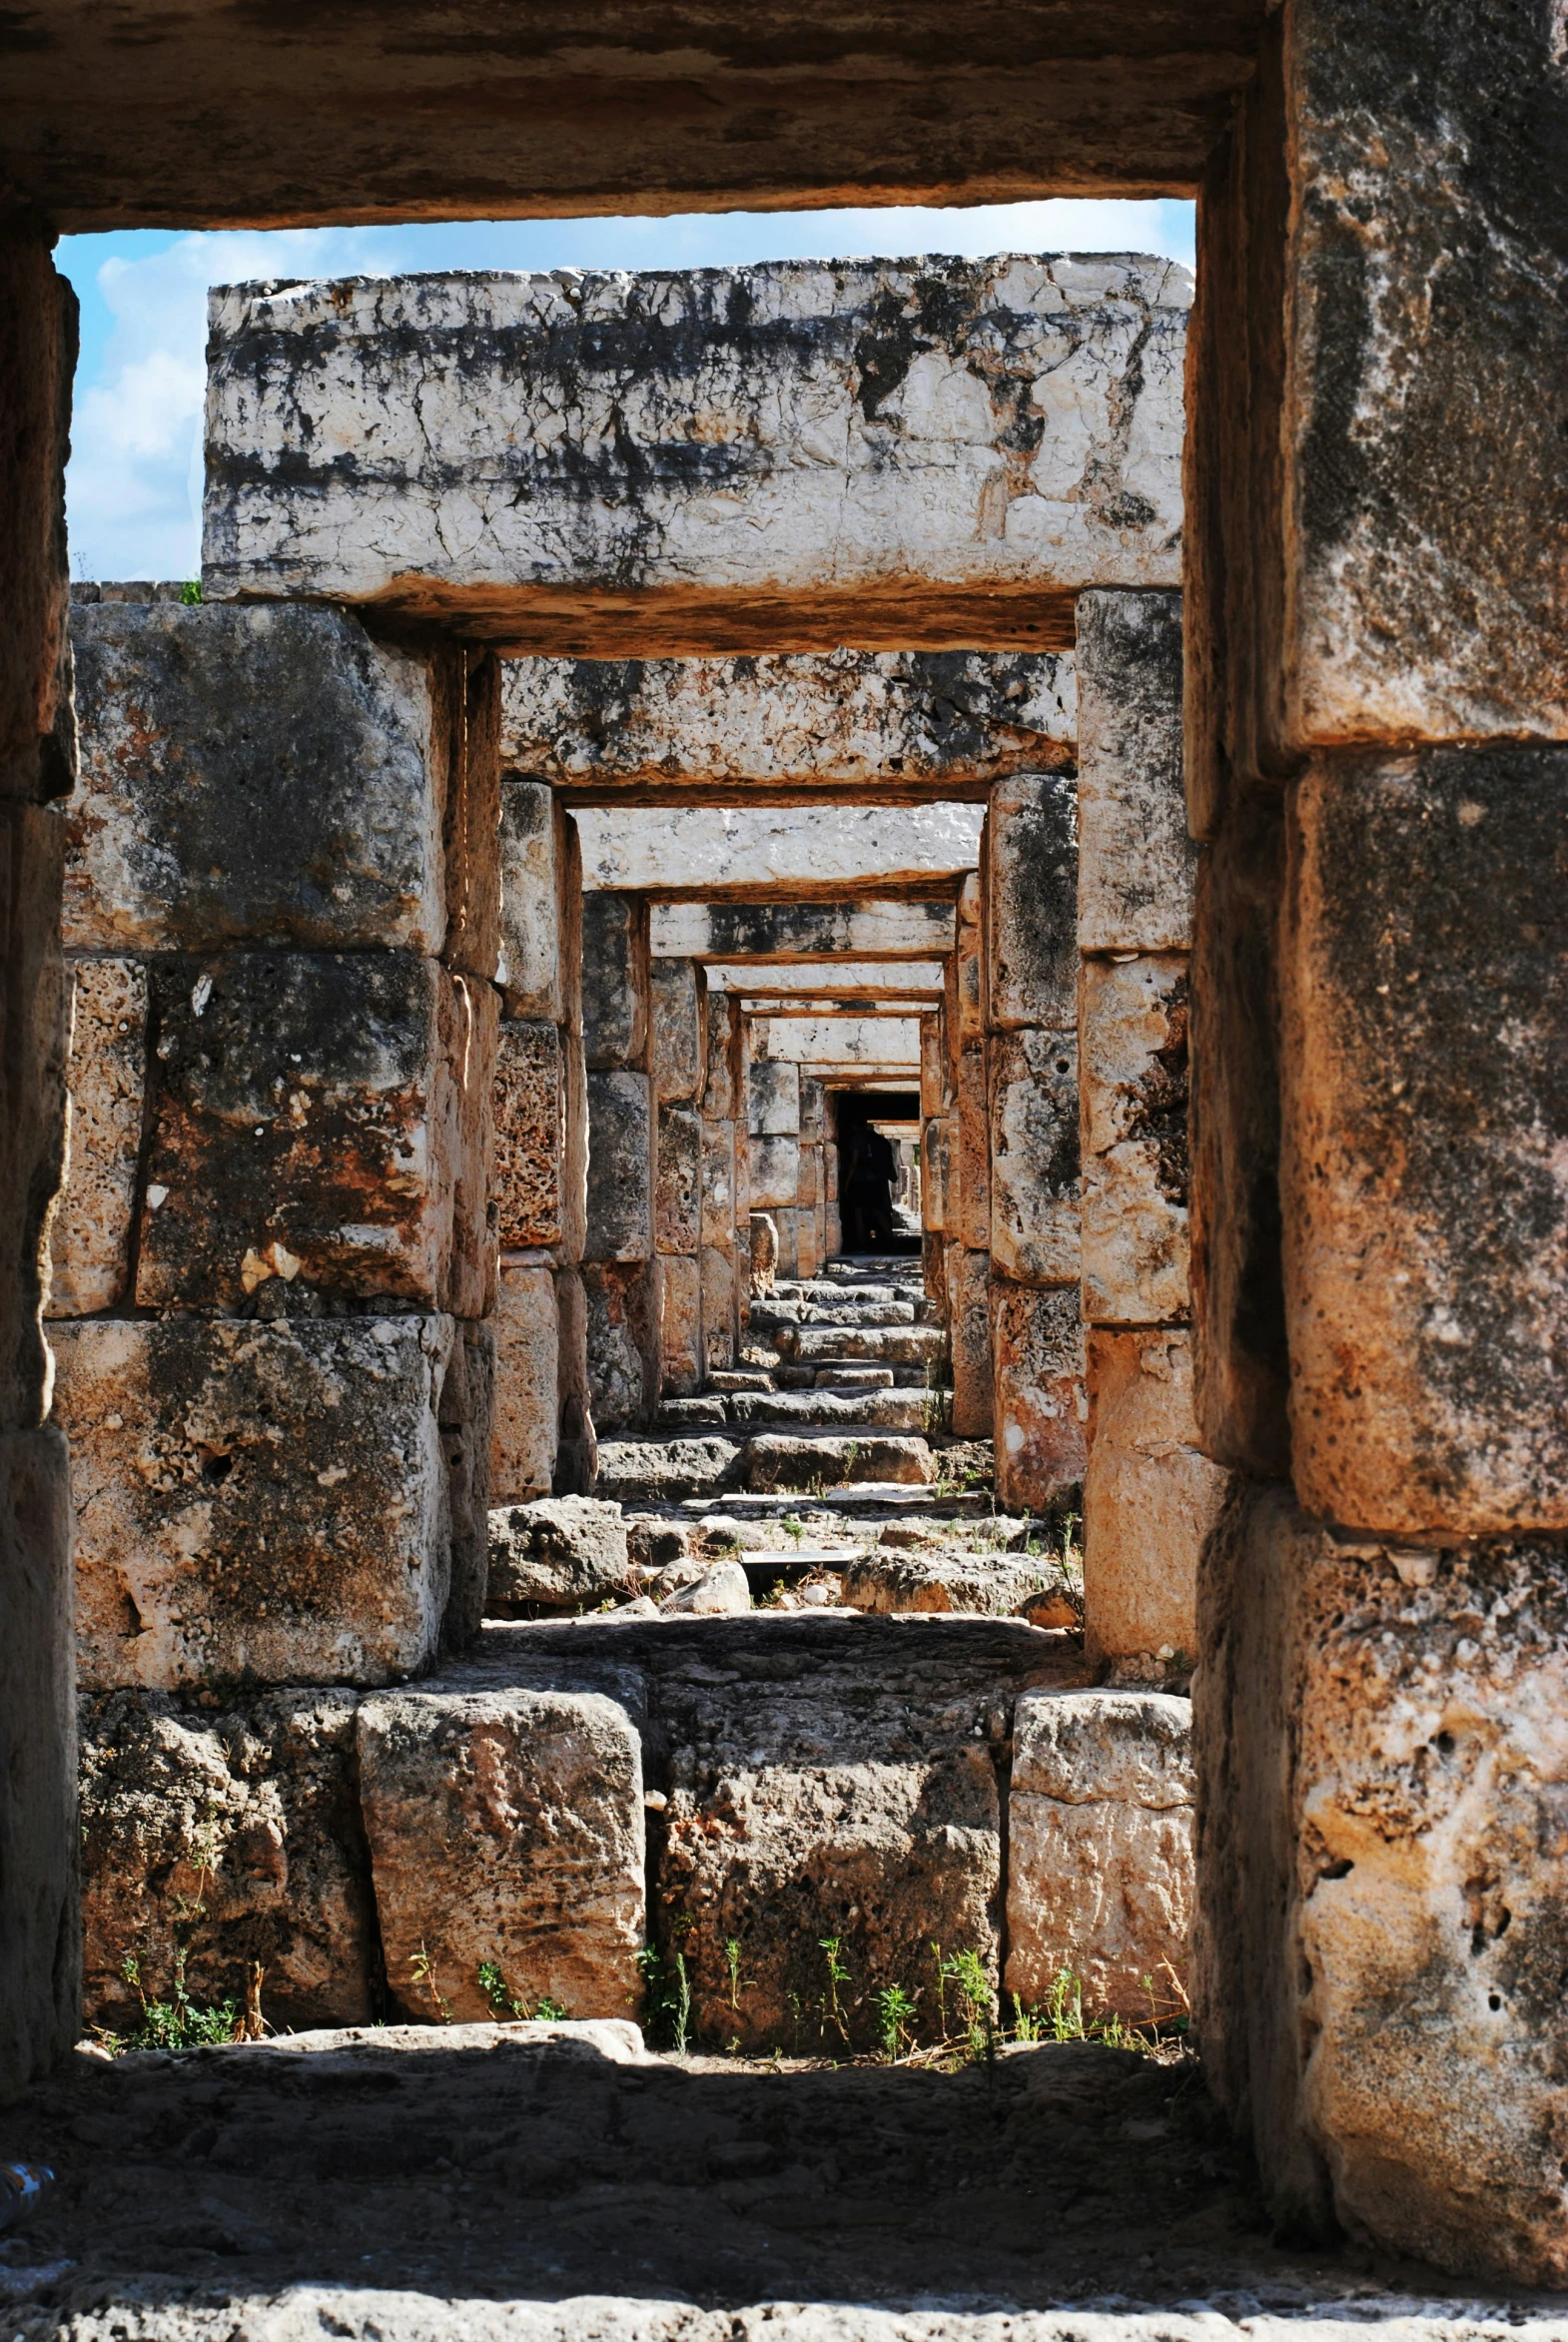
(1149, 1496)
(1376, 708)
(679, 1056)
(726, 1252)
(544, 1437)
(621, 1277)
(811, 1188)
(1036, 1332)
(274, 1258)
(934, 1105)
(773, 1140)
(967, 1259)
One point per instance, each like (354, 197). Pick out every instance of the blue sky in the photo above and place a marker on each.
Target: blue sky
(134, 487)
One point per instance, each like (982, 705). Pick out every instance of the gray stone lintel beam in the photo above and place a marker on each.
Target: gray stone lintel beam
(766, 933)
(763, 854)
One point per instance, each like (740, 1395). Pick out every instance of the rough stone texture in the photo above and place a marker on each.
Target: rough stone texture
(682, 1364)
(717, 1168)
(665, 1471)
(677, 1036)
(723, 1591)
(809, 931)
(720, 1296)
(1099, 1849)
(317, 1108)
(1032, 907)
(465, 1416)
(936, 1174)
(576, 1454)
(935, 1081)
(529, 1112)
(834, 1460)
(898, 1344)
(1425, 974)
(614, 979)
(1034, 1168)
(970, 1584)
(677, 1185)
(37, 729)
(774, 1165)
(724, 1082)
(564, 1552)
(40, 1976)
(870, 1046)
(969, 1333)
(1009, 428)
(972, 1220)
(505, 1826)
(773, 1099)
(528, 1331)
(1149, 1497)
(888, 1411)
(1240, 1364)
(1382, 1743)
(704, 851)
(541, 902)
(235, 1833)
(34, 1038)
(1133, 1035)
(1136, 860)
(854, 982)
(1040, 1406)
(90, 1236)
(875, 721)
(622, 1335)
(266, 1501)
(620, 1169)
(266, 776)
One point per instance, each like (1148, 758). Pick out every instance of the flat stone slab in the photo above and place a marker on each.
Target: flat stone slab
(777, 1460)
(975, 1584)
(760, 850)
(881, 1410)
(664, 1471)
(766, 932)
(568, 1552)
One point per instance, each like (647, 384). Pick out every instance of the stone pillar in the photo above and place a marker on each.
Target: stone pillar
(811, 1188)
(678, 1054)
(621, 1273)
(773, 1140)
(1149, 1496)
(966, 1263)
(544, 1436)
(934, 1105)
(1377, 706)
(1036, 1336)
(726, 1252)
(276, 1255)
(40, 1993)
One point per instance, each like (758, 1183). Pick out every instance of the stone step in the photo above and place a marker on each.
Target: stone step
(981, 1585)
(881, 1410)
(776, 1460)
(772, 1312)
(845, 1375)
(883, 1346)
(685, 1414)
(739, 1378)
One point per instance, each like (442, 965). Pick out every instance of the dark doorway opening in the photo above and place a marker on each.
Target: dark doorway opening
(874, 1207)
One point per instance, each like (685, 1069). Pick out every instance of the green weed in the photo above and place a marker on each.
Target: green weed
(895, 2015)
(838, 1974)
(422, 1967)
(191, 592)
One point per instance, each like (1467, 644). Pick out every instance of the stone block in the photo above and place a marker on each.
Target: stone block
(677, 1035)
(614, 979)
(1149, 1497)
(1382, 1745)
(720, 1321)
(680, 1338)
(531, 1117)
(541, 903)
(40, 1916)
(933, 1067)
(760, 850)
(1424, 981)
(505, 1826)
(310, 1119)
(1034, 1221)
(677, 1185)
(1032, 906)
(775, 1172)
(260, 775)
(258, 1501)
(620, 1169)
(33, 1127)
(969, 1333)
(561, 1553)
(889, 1345)
(1136, 862)
(575, 1147)
(576, 1455)
(696, 503)
(468, 681)
(1134, 1031)
(773, 1095)
(972, 1220)
(664, 1471)
(972, 1585)
(970, 973)
(1039, 1408)
(872, 1045)
(466, 1419)
(724, 1088)
(90, 1235)
(527, 1334)
(860, 719)
(1100, 1850)
(723, 1591)
(936, 1159)
(246, 1816)
(836, 1460)
(718, 1183)
(623, 1342)
(767, 932)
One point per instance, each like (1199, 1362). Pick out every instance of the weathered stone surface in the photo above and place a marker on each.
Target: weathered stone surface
(888, 1411)
(806, 983)
(314, 1109)
(664, 1471)
(1040, 1412)
(680, 1327)
(620, 1169)
(1031, 912)
(717, 1167)
(765, 932)
(724, 1081)
(773, 1095)
(563, 1552)
(541, 889)
(465, 1417)
(527, 1334)
(577, 1453)
(935, 1081)
(720, 1319)
(1149, 1497)
(855, 719)
(723, 1591)
(33, 1127)
(1424, 976)
(40, 1976)
(835, 1460)
(906, 381)
(969, 1332)
(469, 683)
(677, 1036)
(968, 1584)
(623, 1311)
(972, 1220)
(707, 851)
(1034, 1164)
(266, 775)
(1382, 1744)
(90, 1236)
(1136, 861)
(235, 1834)
(677, 1187)
(614, 979)
(505, 1826)
(894, 1343)
(862, 1045)
(1134, 1031)
(936, 1191)
(253, 1500)
(1100, 1850)
(775, 1171)
(530, 1133)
